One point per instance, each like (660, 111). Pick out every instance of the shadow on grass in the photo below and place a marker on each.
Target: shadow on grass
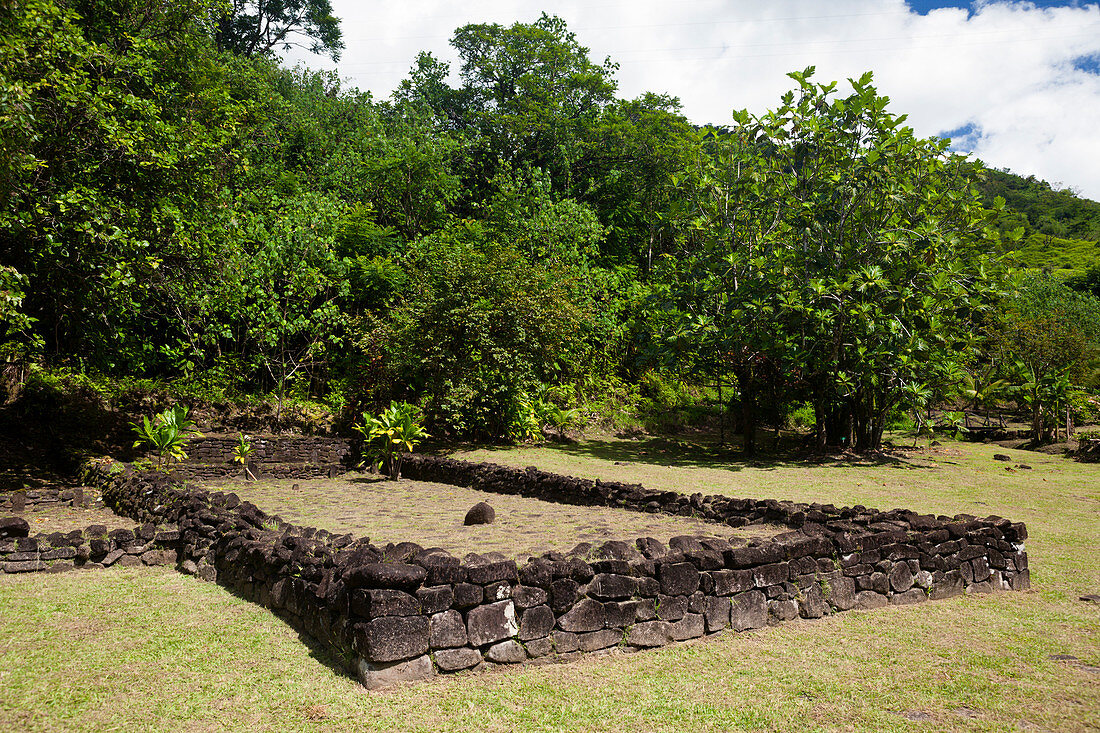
(679, 453)
(318, 650)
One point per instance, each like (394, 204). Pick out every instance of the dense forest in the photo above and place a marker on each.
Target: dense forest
(179, 211)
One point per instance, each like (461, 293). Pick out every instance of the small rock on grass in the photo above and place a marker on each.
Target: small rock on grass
(480, 513)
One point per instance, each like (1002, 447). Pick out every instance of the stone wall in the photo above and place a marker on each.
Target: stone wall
(18, 501)
(402, 612)
(87, 549)
(283, 456)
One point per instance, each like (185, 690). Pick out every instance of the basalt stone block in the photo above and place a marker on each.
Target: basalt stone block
(374, 674)
(121, 537)
(671, 608)
(480, 513)
(537, 573)
(393, 575)
(383, 602)
(729, 582)
(443, 570)
(649, 634)
(537, 648)
(112, 557)
(749, 611)
(696, 602)
(506, 652)
(498, 591)
(484, 573)
(980, 568)
(651, 549)
(616, 550)
(913, 595)
(573, 568)
(620, 614)
(868, 599)
(607, 587)
(901, 578)
(492, 623)
(983, 587)
(811, 602)
(59, 553)
(24, 566)
(1021, 580)
(586, 615)
(772, 574)
(747, 557)
(14, 527)
(780, 611)
(435, 599)
(454, 660)
(842, 593)
(564, 642)
(535, 623)
(393, 638)
(526, 596)
(446, 629)
(467, 595)
(678, 579)
(158, 557)
(648, 587)
(645, 609)
(563, 594)
(691, 626)
(595, 640)
(716, 613)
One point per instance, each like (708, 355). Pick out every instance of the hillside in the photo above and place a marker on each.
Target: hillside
(1061, 230)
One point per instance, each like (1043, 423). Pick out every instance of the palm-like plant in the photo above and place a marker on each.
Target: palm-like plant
(396, 430)
(168, 432)
(242, 452)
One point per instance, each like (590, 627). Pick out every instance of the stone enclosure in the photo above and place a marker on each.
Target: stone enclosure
(399, 612)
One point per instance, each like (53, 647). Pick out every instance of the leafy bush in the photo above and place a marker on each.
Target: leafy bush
(396, 430)
(169, 432)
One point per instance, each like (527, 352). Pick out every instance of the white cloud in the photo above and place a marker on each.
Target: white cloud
(1006, 68)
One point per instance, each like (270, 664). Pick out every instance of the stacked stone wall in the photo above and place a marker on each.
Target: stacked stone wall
(401, 611)
(84, 549)
(280, 457)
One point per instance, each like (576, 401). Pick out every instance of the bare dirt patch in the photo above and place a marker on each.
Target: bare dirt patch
(432, 514)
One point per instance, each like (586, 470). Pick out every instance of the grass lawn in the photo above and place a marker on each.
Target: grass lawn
(149, 649)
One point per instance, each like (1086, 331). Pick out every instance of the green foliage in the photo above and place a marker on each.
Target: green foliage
(169, 432)
(833, 256)
(258, 28)
(1046, 341)
(482, 326)
(396, 430)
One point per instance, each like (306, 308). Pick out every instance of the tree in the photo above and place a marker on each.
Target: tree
(480, 328)
(259, 27)
(1046, 339)
(833, 253)
(528, 92)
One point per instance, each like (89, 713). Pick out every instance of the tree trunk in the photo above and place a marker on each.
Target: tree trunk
(748, 415)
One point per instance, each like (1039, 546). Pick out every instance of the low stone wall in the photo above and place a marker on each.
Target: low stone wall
(281, 457)
(22, 500)
(401, 612)
(88, 549)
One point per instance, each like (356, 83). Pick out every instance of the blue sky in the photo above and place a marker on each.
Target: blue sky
(1015, 83)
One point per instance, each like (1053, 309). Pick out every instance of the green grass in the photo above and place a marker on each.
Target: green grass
(148, 649)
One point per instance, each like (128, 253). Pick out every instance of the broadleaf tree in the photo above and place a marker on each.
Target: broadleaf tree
(834, 258)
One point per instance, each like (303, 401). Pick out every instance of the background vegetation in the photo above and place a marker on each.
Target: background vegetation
(177, 210)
